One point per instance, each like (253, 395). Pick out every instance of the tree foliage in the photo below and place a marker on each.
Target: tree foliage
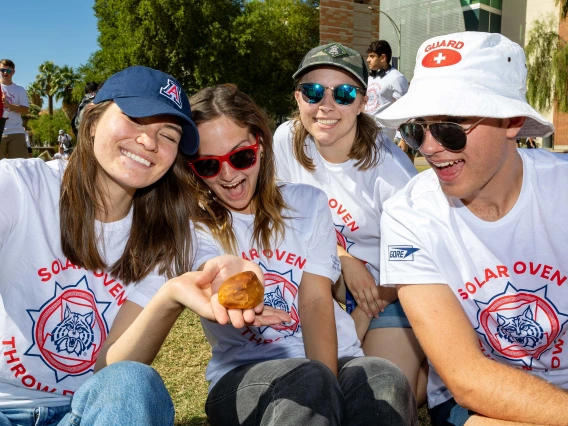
(547, 66)
(56, 82)
(46, 127)
(271, 38)
(67, 79)
(46, 81)
(255, 44)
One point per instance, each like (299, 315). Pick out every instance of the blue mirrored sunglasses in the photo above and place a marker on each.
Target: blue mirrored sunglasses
(344, 94)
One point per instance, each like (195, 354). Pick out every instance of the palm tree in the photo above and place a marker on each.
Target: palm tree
(67, 80)
(48, 80)
(35, 94)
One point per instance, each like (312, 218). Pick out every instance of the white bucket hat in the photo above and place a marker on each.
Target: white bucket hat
(469, 74)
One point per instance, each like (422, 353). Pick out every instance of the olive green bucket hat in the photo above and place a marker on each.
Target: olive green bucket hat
(335, 55)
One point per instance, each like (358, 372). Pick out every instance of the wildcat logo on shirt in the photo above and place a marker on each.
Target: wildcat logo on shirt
(280, 292)
(69, 330)
(520, 325)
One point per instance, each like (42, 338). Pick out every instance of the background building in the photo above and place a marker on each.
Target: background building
(408, 23)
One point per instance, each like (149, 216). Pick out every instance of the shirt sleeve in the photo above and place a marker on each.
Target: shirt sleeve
(399, 87)
(23, 98)
(10, 207)
(396, 170)
(144, 290)
(204, 247)
(406, 251)
(282, 151)
(322, 249)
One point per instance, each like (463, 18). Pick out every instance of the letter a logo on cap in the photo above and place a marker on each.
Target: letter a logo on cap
(441, 58)
(172, 91)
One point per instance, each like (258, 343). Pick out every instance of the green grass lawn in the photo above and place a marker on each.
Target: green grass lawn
(182, 362)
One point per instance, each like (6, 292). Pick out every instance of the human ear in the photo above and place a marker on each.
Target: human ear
(514, 126)
(297, 95)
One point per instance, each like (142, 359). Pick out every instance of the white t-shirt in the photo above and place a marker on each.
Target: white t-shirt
(64, 139)
(44, 297)
(510, 276)
(15, 95)
(309, 245)
(384, 91)
(355, 196)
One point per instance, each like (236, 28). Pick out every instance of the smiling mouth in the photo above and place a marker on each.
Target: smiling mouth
(135, 158)
(445, 164)
(326, 122)
(233, 186)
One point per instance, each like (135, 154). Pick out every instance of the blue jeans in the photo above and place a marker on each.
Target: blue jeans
(368, 391)
(449, 413)
(125, 393)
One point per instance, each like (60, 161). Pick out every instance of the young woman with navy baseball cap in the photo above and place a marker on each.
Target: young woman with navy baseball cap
(85, 245)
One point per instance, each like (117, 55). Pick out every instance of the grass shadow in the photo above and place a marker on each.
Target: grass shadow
(192, 421)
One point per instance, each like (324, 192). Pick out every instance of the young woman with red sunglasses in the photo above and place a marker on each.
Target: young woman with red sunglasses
(332, 144)
(309, 370)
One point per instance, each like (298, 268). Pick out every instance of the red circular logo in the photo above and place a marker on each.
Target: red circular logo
(520, 325)
(441, 58)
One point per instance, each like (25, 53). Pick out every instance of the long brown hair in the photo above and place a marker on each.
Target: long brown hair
(160, 235)
(267, 202)
(364, 148)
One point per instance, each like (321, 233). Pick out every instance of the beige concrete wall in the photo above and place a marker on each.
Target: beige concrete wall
(365, 25)
(518, 16)
(513, 21)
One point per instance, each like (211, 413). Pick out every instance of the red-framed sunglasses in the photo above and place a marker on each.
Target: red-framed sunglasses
(239, 159)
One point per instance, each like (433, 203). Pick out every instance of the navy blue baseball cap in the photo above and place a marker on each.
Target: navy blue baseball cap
(145, 92)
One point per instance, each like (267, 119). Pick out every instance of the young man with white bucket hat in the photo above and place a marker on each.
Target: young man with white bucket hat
(477, 245)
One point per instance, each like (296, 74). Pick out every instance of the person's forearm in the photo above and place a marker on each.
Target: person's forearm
(498, 391)
(319, 332)
(20, 109)
(477, 420)
(142, 340)
(342, 252)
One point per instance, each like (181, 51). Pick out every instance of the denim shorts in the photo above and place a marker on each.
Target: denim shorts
(449, 413)
(392, 317)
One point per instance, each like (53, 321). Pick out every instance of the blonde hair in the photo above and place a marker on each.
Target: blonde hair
(364, 149)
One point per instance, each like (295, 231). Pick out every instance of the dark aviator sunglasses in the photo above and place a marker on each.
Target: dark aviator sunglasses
(451, 136)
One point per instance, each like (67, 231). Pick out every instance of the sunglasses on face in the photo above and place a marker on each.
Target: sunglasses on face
(451, 136)
(239, 159)
(6, 70)
(344, 94)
